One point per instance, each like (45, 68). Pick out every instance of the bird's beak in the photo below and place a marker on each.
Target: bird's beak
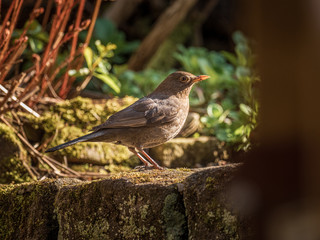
(200, 78)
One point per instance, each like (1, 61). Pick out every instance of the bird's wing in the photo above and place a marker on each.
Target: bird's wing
(144, 112)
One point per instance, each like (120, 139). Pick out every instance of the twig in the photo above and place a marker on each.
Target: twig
(27, 167)
(61, 165)
(83, 84)
(15, 14)
(19, 123)
(50, 161)
(24, 106)
(47, 13)
(27, 96)
(73, 49)
(64, 171)
(88, 38)
(93, 22)
(48, 140)
(14, 86)
(15, 55)
(6, 18)
(33, 176)
(53, 92)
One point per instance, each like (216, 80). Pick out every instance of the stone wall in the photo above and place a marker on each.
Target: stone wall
(169, 204)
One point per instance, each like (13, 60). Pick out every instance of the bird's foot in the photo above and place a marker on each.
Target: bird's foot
(149, 167)
(159, 168)
(143, 168)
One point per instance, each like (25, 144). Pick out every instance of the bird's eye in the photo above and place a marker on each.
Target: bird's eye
(184, 79)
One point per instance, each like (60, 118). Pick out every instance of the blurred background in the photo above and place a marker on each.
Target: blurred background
(65, 66)
(68, 65)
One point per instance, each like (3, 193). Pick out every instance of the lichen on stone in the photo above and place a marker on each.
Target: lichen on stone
(174, 217)
(223, 220)
(129, 212)
(11, 156)
(26, 210)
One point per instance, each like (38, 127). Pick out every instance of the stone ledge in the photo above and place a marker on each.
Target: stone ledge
(189, 152)
(169, 204)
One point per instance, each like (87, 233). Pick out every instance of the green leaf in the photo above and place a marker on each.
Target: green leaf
(102, 68)
(245, 109)
(34, 27)
(43, 36)
(239, 130)
(223, 116)
(214, 110)
(206, 68)
(100, 47)
(88, 55)
(230, 57)
(239, 38)
(36, 45)
(108, 80)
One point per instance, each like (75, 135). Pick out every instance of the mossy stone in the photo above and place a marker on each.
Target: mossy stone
(27, 210)
(12, 156)
(186, 152)
(168, 204)
(134, 205)
(175, 220)
(208, 214)
(74, 118)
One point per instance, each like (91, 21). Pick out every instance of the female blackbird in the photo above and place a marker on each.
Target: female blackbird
(150, 121)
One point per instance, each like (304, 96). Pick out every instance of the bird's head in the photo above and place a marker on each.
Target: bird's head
(178, 83)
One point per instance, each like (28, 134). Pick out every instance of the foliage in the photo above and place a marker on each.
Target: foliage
(228, 96)
(107, 49)
(37, 37)
(35, 55)
(139, 84)
(106, 32)
(98, 66)
(232, 107)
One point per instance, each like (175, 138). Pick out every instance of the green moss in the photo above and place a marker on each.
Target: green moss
(111, 168)
(167, 177)
(71, 119)
(210, 182)
(13, 171)
(129, 213)
(80, 112)
(7, 133)
(91, 152)
(223, 220)
(84, 113)
(70, 223)
(11, 156)
(174, 217)
(93, 228)
(116, 168)
(90, 229)
(29, 208)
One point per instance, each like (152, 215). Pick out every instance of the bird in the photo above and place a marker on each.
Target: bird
(150, 121)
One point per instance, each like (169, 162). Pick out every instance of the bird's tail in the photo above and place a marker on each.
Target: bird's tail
(88, 137)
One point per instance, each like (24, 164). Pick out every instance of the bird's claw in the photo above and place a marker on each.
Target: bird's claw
(149, 167)
(143, 168)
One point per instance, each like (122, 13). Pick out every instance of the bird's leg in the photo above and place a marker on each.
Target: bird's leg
(145, 162)
(155, 165)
